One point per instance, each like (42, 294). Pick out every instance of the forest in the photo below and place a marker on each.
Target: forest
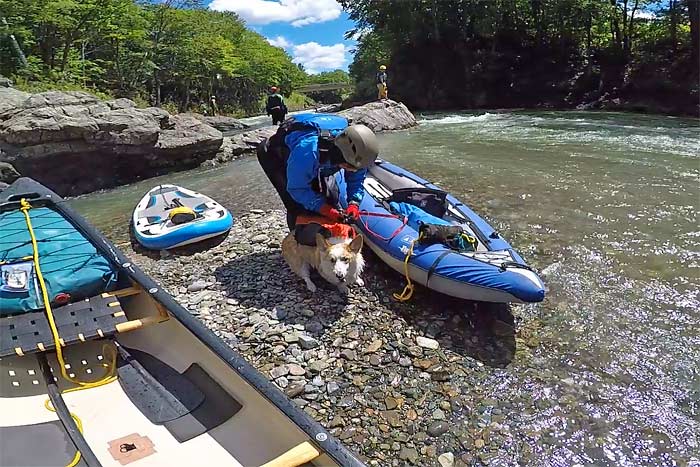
(442, 54)
(448, 54)
(172, 53)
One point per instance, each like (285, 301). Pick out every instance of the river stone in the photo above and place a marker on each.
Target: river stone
(391, 403)
(408, 454)
(296, 370)
(282, 382)
(262, 238)
(294, 389)
(438, 428)
(278, 313)
(427, 343)
(446, 459)
(332, 387)
(318, 366)
(307, 342)
(196, 286)
(279, 371)
(374, 346)
(438, 414)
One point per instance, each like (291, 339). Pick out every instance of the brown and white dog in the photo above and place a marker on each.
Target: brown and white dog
(337, 259)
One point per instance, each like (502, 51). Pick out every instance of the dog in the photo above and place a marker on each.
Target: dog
(337, 259)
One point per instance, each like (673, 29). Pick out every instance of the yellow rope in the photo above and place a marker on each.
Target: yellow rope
(108, 377)
(407, 292)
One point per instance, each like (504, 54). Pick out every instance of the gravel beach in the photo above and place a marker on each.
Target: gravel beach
(399, 383)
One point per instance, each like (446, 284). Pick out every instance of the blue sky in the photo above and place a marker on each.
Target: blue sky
(311, 31)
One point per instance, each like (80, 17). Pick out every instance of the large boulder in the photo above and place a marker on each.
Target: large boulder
(8, 174)
(75, 143)
(384, 115)
(222, 123)
(10, 98)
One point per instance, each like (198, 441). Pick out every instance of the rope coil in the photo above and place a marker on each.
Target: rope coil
(109, 376)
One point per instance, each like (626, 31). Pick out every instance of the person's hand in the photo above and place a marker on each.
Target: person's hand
(330, 212)
(353, 211)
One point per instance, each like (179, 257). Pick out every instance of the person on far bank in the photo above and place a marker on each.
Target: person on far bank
(213, 106)
(382, 83)
(275, 106)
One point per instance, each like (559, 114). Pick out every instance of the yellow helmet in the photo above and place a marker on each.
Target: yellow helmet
(382, 67)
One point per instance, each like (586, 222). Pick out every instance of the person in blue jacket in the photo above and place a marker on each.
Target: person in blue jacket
(302, 158)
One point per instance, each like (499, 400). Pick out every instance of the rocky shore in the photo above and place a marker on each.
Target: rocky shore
(75, 143)
(400, 384)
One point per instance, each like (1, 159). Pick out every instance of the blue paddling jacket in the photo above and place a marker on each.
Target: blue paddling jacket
(304, 164)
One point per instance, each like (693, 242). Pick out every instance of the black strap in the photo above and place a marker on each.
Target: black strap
(434, 266)
(86, 454)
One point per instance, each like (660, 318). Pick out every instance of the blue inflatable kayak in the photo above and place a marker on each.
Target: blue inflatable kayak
(492, 272)
(170, 216)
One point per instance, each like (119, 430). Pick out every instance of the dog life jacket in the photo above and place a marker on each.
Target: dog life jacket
(307, 226)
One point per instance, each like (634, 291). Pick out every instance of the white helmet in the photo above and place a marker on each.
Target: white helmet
(359, 146)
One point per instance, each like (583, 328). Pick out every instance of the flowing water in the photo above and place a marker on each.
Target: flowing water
(605, 206)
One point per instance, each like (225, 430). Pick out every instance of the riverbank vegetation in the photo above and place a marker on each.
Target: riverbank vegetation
(449, 54)
(172, 53)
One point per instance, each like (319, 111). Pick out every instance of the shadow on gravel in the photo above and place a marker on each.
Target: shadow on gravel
(187, 250)
(480, 330)
(262, 280)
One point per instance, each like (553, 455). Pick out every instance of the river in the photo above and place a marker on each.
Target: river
(605, 206)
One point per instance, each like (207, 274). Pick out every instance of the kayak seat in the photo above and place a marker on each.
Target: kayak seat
(93, 318)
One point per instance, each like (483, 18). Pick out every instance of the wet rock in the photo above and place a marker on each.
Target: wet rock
(427, 343)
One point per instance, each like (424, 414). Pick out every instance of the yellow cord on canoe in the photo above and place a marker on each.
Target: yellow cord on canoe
(407, 292)
(107, 378)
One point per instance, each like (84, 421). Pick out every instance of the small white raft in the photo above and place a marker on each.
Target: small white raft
(170, 216)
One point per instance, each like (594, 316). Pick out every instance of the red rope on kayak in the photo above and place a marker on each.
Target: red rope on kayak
(379, 214)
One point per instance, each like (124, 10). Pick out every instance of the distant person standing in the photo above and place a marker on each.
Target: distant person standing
(275, 106)
(213, 106)
(382, 83)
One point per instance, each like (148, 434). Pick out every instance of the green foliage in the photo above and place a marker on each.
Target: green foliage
(172, 51)
(467, 53)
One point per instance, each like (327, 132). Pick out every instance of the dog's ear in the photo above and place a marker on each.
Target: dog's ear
(321, 241)
(356, 244)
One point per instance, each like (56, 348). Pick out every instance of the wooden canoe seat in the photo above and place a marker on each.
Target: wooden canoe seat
(93, 318)
(298, 455)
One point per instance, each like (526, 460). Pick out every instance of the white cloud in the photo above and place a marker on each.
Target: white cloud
(316, 57)
(279, 41)
(297, 12)
(645, 15)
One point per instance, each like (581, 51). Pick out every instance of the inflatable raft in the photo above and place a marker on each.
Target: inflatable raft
(169, 216)
(492, 272)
